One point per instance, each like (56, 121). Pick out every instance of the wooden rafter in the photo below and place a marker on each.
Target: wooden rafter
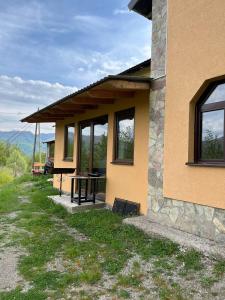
(75, 107)
(86, 100)
(103, 92)
(99, 93)
(57, 115)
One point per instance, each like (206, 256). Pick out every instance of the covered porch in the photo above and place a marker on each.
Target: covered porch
(103, 129)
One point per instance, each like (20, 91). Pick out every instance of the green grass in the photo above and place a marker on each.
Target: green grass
(191, 260)
(107, 249)
(219, 268)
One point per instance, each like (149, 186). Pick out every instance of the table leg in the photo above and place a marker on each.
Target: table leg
(94, 190)
(79, 191)
(86, 189)
(72, 189)
(60, 188)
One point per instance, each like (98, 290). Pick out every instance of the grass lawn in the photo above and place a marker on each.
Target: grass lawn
(92, 254)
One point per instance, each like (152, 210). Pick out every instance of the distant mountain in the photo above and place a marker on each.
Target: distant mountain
(24, 139)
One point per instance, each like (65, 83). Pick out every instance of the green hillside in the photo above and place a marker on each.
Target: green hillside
(24, 139)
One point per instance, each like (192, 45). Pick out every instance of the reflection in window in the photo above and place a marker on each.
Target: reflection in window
(100, 146)
(51, 150)
(124, 144)
(217, 95)
(212, 135)
(69, 142)
(210, 112)
(85, 148)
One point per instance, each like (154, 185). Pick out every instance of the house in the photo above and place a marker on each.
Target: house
(104, 128)
(50, 149)
(186, 125)
(170, 157)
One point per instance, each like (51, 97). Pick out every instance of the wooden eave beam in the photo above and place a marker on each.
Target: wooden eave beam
(86, 100)
(56, 115)
(127, 85)
(75, 107)
(106, 94)
(44, 120)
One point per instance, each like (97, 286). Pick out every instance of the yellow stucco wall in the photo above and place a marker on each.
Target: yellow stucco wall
(126, 182)
(196, 52)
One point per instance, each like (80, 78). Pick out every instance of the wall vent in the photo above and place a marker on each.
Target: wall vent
(125, 207)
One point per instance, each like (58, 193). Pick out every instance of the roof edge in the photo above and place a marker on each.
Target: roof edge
(109, 77)
(142, 7)
(138, 67)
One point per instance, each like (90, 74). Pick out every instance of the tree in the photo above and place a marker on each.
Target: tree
(126, 142)
(100, 152)
(17, 162)
(212, 146)
(4, 153)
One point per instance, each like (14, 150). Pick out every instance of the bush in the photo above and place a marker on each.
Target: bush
(6, 176)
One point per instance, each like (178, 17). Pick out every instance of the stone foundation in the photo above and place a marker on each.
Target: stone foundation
(204, 221)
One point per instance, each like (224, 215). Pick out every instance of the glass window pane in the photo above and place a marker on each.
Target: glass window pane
(212, 139)
(51, 150)
(217, 95)
(100, 147)
(125, 135)
(85, 149)
(69, 143)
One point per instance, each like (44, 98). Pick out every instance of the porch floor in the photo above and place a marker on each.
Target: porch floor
(64, 200)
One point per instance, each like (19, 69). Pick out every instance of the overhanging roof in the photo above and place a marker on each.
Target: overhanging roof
(49, 141)
(104, 91)
(141, 66)
(142, 7)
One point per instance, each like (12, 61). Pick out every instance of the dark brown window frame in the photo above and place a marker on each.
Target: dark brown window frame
(115, 160)
(90, 122)
(199, 109)
(65, 157)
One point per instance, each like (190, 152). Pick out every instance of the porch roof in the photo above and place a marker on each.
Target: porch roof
(104, 91)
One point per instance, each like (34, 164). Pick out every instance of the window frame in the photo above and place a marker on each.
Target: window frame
(65, 155)
(201, 108)
(116, 160)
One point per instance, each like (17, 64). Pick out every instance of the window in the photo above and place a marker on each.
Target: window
(124, 137)
(51, 150)
(69, 142)
(210, 114)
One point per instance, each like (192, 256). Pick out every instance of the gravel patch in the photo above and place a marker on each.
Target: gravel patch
(69, 230)
(28, 184)
(207, 247)
(58, 265)
(24, 199)
(13, 215)
(9, 275)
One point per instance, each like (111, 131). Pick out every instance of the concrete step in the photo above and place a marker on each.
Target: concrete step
(64, 200)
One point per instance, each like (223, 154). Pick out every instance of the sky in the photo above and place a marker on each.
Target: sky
(51, 48)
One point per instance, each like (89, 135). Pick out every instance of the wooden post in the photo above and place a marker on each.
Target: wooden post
(34, 148)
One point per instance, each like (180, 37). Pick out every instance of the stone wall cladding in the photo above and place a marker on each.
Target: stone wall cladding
(157, 101)
(204, 221)
(159, 38)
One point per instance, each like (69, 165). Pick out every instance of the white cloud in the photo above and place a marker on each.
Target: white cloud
(91, 22)
(122, 11)
(22, 97)
(19, 19)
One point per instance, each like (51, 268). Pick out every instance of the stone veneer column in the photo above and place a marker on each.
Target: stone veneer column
(157, 104)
